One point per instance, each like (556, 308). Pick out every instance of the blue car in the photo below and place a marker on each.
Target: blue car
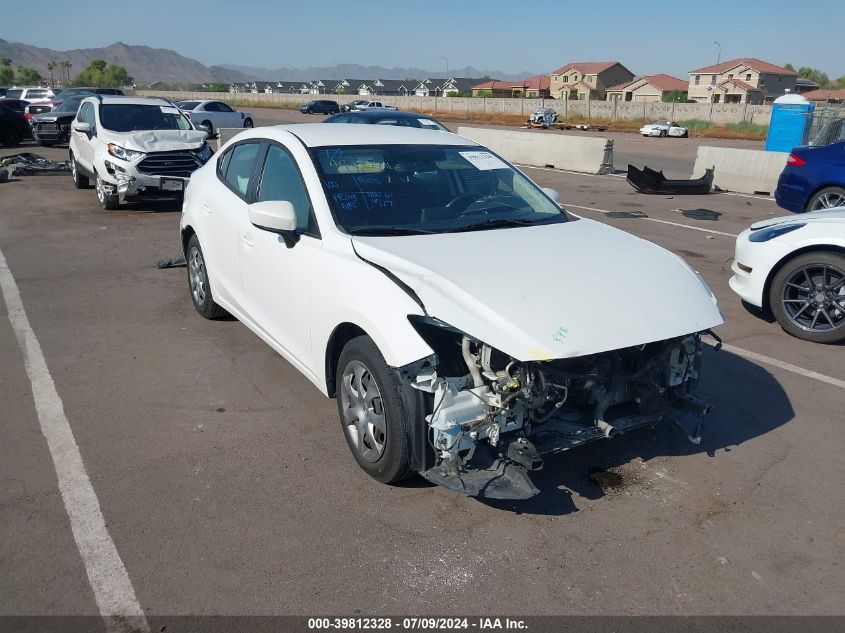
(814, 177)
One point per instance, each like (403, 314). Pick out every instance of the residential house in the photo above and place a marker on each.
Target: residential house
(432, 87)
(647, 89)
(587, 80)
(743, 80)
(803, 85)
(387, 87)
(826, 96)
(531, 88)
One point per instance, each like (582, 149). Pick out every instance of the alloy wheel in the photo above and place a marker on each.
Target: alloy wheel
(363, 411)
(813, 298)
(198, 276)
(829, 201)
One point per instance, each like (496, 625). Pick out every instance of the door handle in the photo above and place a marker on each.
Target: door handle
(246, 238)
(206, 208)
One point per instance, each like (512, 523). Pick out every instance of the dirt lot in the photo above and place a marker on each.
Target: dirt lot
(227, 488)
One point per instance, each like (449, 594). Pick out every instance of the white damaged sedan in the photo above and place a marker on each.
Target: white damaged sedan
(466, 325)
(664, 128)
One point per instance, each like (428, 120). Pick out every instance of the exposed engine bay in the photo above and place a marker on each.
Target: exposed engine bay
(492, 418)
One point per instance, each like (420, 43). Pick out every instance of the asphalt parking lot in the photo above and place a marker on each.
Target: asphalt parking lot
(227, 488)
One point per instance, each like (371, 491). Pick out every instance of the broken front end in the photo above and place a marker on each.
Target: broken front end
(491, 419)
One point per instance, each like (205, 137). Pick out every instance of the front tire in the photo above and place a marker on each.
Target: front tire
(201, 295)
(109, 201)
(210, 128)
(248, 124)
(827, 198)
(372, 411)
(807, 297)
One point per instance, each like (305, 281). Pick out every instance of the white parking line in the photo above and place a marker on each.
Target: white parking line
(113, 590)
(685, 226)
(795, 369)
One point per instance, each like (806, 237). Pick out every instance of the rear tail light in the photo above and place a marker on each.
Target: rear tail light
(795, 161)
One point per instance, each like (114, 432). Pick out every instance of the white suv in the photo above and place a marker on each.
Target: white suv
(134, 148)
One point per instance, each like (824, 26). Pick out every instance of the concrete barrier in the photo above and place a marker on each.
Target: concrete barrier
(741, 170)
(585, 154)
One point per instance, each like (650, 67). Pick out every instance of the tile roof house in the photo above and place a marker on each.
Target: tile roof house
(742, 80)
(536, 87)
(431, 87)
(648, 88)
(826, 96)
(587, 80)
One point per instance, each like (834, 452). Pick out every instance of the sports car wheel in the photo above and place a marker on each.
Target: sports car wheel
(807, 297)
(371, 411)
(827, 198)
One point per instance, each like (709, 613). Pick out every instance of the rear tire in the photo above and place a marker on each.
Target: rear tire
(198, 285)
(248, 124)
(210, 128)
(794, 307)
(827, 198)
(372, 412)
(79, 181)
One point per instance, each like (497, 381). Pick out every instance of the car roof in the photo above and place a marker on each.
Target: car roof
(320, 135)
(111, 99)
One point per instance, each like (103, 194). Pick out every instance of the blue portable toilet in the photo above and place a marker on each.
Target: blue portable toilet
(792, 116)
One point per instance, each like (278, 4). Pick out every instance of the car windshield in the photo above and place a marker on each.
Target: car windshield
(661, 123)
(126, 117)
(70, 104)
(415, 189)
(188, 105)
(14, 93)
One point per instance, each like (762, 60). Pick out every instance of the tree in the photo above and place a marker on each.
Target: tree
(65, 66)
(7, 75)
(813, 74)
(101, 74)
(51, 66)
(674, 95)
(27, 76)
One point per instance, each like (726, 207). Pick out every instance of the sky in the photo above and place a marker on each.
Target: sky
(647, 36)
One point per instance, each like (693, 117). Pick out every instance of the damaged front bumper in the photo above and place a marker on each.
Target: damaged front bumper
(488, 430)
(132, 186)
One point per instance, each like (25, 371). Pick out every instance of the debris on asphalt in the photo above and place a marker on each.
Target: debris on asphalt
(172, 262)
(699, 214)
(29, 164)
(647, 180)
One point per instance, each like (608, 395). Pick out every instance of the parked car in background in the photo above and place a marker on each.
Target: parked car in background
(13, 127)
(374, 105)
(543, 116)
(664, 128)
(53, 127)
(794, 267)
(814, 175)
(358, 253)
(320, 106)
(18, 105)
(215, 114)
(346, 107)
(3, 92)
(33, 95)
(134, 148)
(87, 90)
(388, 117)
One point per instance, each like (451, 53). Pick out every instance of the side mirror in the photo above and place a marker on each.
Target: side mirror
(82, 127)
(552, 193)
(276, 216)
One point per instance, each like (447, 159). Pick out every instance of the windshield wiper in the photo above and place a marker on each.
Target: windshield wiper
(494, 223)
(389, 230)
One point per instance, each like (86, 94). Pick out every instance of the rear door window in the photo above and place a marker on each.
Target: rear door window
(240, 167)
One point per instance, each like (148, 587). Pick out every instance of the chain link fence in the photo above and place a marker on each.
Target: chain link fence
(828, 123)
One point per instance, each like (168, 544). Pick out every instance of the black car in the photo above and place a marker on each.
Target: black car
(389, 117)
(13, 127)
(16, 105)
(320, 106)
(67, 93)
(54, 126)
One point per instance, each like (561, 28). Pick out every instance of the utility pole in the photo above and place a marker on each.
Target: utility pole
(446, 59)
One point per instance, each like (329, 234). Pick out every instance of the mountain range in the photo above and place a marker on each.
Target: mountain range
(146, 65)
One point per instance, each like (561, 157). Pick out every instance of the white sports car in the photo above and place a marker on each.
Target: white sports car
(664, 128)
(215, 114)
(465, 323)
(794, 266)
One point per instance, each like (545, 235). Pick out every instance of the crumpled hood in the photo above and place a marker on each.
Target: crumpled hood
(155, 140)
(826, 215)
(553, 291)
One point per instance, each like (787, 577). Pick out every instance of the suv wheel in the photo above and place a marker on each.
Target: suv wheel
(109, 201)
(79, 181)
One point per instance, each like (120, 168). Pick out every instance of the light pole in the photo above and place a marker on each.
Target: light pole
(446, 59)
(716, 74)
(719, 56)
